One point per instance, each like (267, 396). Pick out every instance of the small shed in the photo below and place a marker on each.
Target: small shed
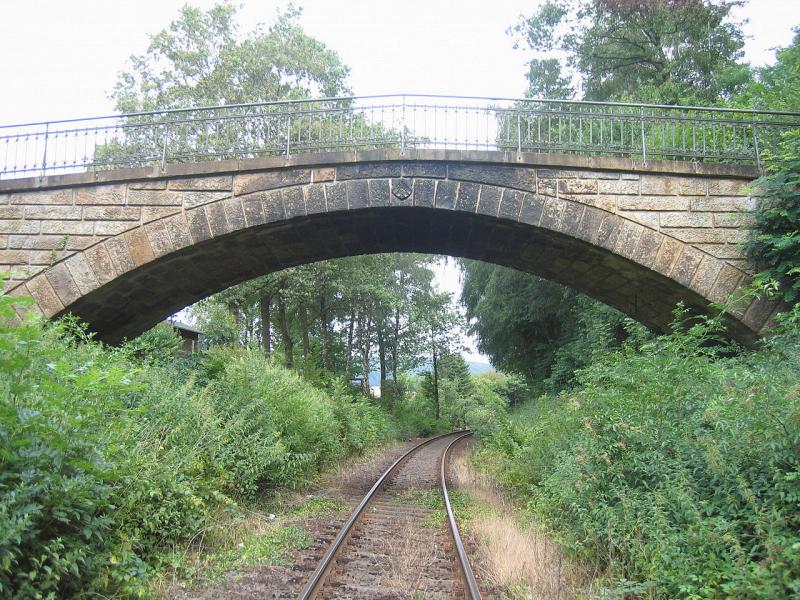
(190, 336)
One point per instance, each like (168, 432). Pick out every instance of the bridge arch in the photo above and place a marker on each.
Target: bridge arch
(139, 244)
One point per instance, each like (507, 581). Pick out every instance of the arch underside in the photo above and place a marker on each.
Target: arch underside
(137, 300)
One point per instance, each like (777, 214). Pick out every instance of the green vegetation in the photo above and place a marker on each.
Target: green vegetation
(109, 462)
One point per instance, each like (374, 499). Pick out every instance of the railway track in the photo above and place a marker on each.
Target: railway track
(391, 546)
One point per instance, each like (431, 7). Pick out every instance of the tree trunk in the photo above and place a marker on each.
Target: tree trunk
(395, 343)
(365, 357)
(349, 357)
(435, 383)
(324, 340)
(304, 327)
(265, 301)
(382, 358)
(288, 345)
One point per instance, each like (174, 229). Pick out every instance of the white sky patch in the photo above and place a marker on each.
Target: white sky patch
(60, 58)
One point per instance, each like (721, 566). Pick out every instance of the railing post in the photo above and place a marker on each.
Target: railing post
(755, 143)
(519, 133)
(288, 132)
(164, 148)
(403, 128)
(644, 139)
(44, 155)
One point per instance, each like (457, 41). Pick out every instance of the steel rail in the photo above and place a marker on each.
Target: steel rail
(318, 576)
(463, 559)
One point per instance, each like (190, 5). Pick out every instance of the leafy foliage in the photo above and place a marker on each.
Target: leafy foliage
(678, 482)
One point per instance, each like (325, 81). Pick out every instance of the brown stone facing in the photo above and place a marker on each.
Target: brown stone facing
(45, 296)
(666, 222)
(63, 283)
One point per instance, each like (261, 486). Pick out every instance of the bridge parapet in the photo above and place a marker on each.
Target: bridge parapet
(641, 131)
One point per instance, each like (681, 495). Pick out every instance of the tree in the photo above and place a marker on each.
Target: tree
(774, 246)
(201, 60)
(666, 51)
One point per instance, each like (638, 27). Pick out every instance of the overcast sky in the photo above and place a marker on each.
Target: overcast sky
(60, 58)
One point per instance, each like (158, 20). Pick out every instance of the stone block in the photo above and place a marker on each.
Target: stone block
(728, 187)
(101, 264)
(401, 190)
(148, 184)
(315, 199)
(138, 246)
(590, 223)
(727, 283)
(215, 182)
(510, 204)
(52, 213)
(521, 178)
(423, 192)
(758, 313)
(37, 242)
(724, 204)
(67, 227)
(45, 296)
(121, 257)
(674, 203)
(11, 212)
(253, 210)
(570, 217)
(358, 194)
(323, 174)
(628, 239)
(21, 227)
(467, 198)
(660, 185)
(155, 198)
(272, 201)
(446, 194)
(367, 171)
(379, 193)
(577, 186)
(234, 213)
(63, 284)
(424, 169)
(551, 214)
(112, 213)
(601, 201)
(548, 187)
(618, 186)
(336, 196)
(608, 232)
(82, 273)
(706, 275)
(644, 217)
(723, 251)
(101, 194)
(294, 202)
(159, 238)
(113, 227)
(685, 265)
(198, 224)
(733, 220)
(700, 235)
(648, 248)
(79, 242)
(692, 186)
(488, 200)
(270, 180)
(153, 213)
(736, 236)
(45, 197)
(686, 219)
(668, 253)
(178, 229)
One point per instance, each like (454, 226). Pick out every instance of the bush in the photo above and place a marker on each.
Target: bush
(682, 481)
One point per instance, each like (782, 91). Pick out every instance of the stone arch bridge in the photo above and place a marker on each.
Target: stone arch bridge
(123, 249)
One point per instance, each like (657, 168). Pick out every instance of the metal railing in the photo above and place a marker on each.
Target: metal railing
(640, 131)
